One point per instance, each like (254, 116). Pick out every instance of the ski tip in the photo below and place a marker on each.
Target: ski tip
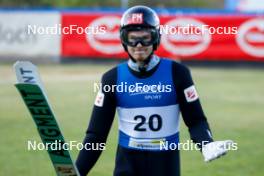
(18, 64)
(26, 72)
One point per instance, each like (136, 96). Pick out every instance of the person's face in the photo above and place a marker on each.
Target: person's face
(139, 52)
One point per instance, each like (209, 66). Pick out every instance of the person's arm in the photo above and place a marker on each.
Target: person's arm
(100, 123)
(190, 105)
(193, 115)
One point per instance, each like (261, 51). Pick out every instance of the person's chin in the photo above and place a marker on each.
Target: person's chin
(140, 58)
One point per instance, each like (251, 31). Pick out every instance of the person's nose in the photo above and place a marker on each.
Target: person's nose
(139, 44)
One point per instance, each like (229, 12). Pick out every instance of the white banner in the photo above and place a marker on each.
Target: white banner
(32, 35)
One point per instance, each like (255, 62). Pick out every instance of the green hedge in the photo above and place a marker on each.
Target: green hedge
(112, 3)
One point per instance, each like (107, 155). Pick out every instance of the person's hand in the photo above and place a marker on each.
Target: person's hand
(215, 149)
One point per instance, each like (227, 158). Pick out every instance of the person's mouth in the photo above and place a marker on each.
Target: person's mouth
(140, 52)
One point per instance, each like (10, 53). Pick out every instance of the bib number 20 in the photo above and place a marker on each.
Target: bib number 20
(141, 121)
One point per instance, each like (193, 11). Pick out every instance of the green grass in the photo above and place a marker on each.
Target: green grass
(233, 100)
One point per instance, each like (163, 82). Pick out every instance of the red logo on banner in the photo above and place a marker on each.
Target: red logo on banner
(184, 42)
(250, 37)
(109, 42)
(135, 18)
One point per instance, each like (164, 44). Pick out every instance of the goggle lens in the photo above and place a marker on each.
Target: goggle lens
(144, 41)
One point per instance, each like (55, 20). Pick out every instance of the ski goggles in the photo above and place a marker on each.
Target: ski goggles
(133, 41)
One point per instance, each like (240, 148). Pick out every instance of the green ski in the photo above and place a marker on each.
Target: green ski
(32, 91)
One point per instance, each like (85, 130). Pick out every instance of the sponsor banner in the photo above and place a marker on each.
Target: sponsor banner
(100, 40)
(30, 35)
(188, 37)
(223, 38)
